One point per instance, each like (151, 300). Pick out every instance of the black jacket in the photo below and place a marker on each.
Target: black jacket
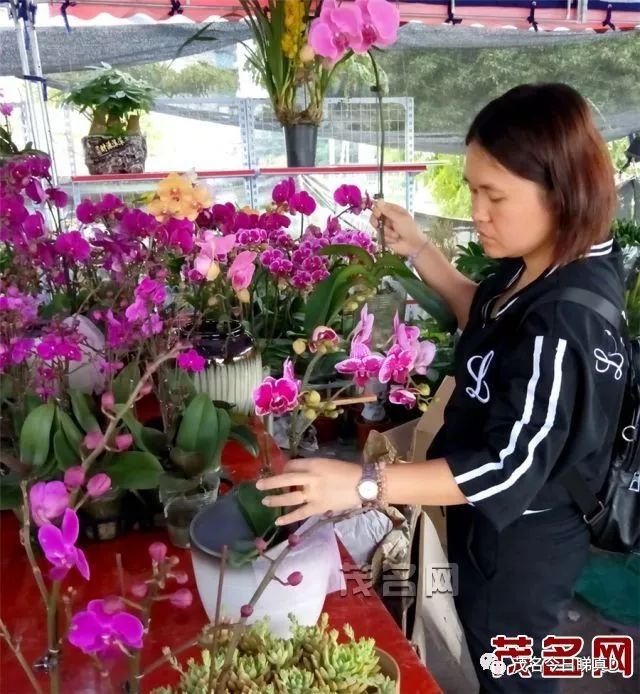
(537, 393)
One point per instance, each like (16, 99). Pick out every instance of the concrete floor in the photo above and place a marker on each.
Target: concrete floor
(578, 620)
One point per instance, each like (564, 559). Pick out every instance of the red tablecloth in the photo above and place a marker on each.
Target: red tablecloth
(21, 608)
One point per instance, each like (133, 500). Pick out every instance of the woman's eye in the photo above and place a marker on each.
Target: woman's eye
(496, 199)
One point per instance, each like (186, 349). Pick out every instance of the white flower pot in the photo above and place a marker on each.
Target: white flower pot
(317, 557)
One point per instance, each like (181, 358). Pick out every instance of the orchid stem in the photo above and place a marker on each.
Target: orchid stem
(268, 577)
(26, 541)
(165, 658)
(52, 638)
(15, 649)
(214, 640)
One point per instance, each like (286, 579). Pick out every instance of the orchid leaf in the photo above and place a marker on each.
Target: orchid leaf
(134, 470)
(430, 302)
(35, 436)
(204, 429)
(82, 411)
(66, 457)
(246, 438)
(261, 518)
(346, 250)
(125, 382)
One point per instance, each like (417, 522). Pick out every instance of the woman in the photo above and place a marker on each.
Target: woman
(539, 381)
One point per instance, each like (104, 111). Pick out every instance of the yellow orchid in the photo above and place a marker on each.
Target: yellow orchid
(174, 186)
(198, 199)
(163, 210)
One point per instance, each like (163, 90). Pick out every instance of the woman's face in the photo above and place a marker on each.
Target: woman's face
(509, 212)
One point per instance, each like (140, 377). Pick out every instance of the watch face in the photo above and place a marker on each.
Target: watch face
(368, 490)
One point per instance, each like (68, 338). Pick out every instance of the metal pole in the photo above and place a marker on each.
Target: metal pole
(24, 62)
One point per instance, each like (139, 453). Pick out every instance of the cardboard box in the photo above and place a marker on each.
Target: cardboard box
(412, 440)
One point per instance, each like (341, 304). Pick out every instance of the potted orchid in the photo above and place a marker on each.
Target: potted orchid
(298, 46)
(396, 368)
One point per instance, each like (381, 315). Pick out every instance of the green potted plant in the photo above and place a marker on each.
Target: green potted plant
(312, 660)
(113, 101)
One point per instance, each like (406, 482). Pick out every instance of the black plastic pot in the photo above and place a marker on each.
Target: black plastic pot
(301, 142)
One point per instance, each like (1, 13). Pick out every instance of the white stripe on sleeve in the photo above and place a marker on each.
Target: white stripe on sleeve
(518, 426)
(539, 437)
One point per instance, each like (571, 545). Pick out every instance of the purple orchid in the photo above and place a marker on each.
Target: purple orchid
(191, 361)
(361, 364)
(302, 202)
(349, 196)
(47, 501)
(100, 484)
(107, 634)
(73, 247)
(283, 191)
(59, 547)
(87, 212)
(277, 396)
(57, 196)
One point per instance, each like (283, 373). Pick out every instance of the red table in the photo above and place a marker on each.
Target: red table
(22, 611)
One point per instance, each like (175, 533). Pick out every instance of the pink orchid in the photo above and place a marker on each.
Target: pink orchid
(302, 202)
(48, 501)
(337, 27)
(283, 191)
(241, 270)
(73, 246)
(426, 354)
(405, 335)
(402, 396)
(105, 633)
(323, 336)
(99, 484)
(213, 248)
(59, 547)
(380, 22)
(74, 477)
(364, 328)
(361, 364)
(277, 396)
(397, 365)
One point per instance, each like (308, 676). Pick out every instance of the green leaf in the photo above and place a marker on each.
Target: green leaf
(261, 519)
(125, 382)
(246, 438)
(390, 264)
(134, 470)
(243, 553)
(66, 457)
(180, 385)
(82, 411)
(60, 304)
(146, 438)
(203, 429)
(346, 250)
(191, 464)
(327, 298)
(71, 432)
(35, 436)
(430, 302)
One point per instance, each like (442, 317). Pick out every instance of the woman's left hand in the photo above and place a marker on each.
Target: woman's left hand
(322, 485)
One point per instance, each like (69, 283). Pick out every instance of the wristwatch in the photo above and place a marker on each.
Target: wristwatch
(368, 487)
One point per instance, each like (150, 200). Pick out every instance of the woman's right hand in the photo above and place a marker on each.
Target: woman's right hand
(401, 231)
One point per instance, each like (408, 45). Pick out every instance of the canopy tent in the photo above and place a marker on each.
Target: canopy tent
(550, 14)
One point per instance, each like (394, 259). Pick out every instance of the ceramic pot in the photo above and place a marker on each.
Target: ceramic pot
(234, 364)
(223, 524)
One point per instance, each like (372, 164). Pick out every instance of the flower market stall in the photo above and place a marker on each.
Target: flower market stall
(167, 338)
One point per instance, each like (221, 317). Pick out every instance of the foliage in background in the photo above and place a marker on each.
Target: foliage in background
(445, 182)
(626, 232)
(474, 263)
(450, 86)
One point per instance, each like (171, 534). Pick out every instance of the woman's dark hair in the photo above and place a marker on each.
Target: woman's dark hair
(545, 133)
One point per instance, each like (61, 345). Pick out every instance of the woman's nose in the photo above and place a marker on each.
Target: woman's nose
(479, 210)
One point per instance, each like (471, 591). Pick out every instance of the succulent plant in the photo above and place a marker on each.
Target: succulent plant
(312, 661)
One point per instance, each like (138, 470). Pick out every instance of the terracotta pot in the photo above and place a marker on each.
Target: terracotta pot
(389, 667)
